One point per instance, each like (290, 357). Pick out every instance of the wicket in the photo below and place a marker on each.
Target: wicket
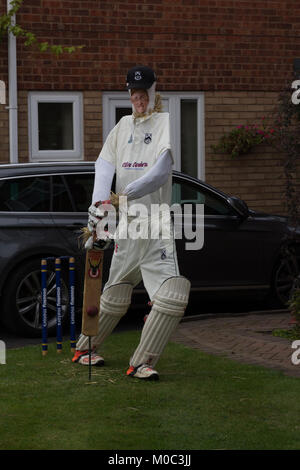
(44, 269)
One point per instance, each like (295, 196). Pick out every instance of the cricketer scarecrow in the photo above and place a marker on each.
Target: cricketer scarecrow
(138, 150)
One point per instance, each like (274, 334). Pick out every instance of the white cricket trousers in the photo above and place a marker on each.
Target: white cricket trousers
(147, 260)
(152, 261)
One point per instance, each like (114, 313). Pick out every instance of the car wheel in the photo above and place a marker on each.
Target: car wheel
(22, 312)
(285, 273)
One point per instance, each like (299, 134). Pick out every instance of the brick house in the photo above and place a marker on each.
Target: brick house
(220, 63)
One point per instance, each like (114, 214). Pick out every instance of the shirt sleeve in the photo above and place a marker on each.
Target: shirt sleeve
(153, 180)
(104, 173)
(165, 136)
(109, 149)
(105, 167)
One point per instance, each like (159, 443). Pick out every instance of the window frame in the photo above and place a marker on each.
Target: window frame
(171, 102)
(36, 97)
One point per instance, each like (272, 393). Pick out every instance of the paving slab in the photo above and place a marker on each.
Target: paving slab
(245, 338)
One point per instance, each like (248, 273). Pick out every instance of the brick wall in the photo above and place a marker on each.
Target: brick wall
(4, 134)
(92, 124)
(239, 52)
(23, 126)
(192, 44)
(3, 48)
(256, 177)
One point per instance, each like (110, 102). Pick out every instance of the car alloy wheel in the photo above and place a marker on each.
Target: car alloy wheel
(29, 300)
(285, 275)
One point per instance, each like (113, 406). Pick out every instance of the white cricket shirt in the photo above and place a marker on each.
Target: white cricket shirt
(133, 147)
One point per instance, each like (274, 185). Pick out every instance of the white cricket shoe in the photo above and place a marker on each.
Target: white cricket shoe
(144, 371)
(82, 357)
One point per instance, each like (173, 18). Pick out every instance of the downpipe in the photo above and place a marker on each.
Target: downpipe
(13, 100)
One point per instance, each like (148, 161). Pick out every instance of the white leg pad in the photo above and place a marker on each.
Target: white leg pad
(169, 305)
(114, 303)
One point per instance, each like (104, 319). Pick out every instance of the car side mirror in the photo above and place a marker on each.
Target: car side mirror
(239, 206)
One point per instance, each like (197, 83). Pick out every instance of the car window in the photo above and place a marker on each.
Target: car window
(61, 199)
(185, 193)
(80, 188)
(30, 194)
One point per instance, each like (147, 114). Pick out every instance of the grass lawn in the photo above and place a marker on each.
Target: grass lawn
(200, 402)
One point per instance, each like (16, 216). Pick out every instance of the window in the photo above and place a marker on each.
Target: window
(80, 188)
(55, 126)
(30, 194)
(189, 136)
(183, 193)
(61, 200)
(186, 120)
(187, 131)
(57, 193)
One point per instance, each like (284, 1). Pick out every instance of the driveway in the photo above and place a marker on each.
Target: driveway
(242, 337)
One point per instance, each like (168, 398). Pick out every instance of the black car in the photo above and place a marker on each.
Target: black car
(44, 206)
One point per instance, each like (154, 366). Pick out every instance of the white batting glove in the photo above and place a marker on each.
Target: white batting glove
(100, 239)
(89, 243)
(99, 243)
(96, 213)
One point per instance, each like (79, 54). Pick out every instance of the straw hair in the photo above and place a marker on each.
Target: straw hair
(114, 199)
(84, 236)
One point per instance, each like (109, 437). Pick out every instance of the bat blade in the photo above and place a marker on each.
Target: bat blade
(92, 292)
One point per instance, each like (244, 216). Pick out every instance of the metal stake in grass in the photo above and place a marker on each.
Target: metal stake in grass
(90, 358)
(72, 304)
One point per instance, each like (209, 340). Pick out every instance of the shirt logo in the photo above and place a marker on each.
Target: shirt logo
(134, 165)
(148, 138)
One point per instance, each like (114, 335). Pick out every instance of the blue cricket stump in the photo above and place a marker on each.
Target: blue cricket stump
(59, 338)
(44, 307)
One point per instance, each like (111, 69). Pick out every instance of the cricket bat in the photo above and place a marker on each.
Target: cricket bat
(92, 292)
(93, 283)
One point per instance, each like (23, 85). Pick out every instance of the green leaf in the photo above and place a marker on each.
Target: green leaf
(43, 46)
(56, 49)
